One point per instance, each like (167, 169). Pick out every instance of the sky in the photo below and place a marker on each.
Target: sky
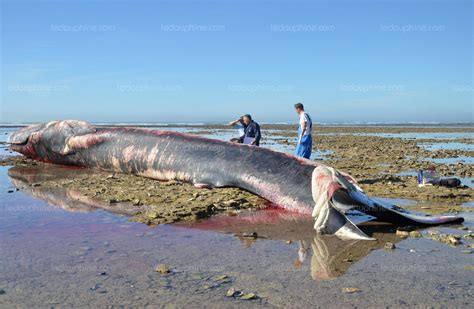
(211, 61)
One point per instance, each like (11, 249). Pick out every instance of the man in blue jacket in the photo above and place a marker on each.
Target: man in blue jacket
(252, 134)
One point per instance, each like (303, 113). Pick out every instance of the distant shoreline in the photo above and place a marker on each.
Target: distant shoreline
(335, 124)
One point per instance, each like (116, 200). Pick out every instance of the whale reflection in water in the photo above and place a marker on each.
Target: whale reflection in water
(331, 256)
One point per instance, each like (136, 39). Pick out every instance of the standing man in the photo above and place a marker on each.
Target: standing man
(305, 140)
(252, 134)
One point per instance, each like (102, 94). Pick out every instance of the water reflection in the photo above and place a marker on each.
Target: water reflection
(28, 179)
(331, 257)
(328, 256)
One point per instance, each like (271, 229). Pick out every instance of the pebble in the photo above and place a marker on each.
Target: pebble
(248, 296)
(415, 234)
(163, 269)
(453, 240)
(250, 235)
(152, 215)
(232, 292)
(221, 277)
(402, 234)
(389, 246)
(2, 291)
(350, 290)
(469, 236)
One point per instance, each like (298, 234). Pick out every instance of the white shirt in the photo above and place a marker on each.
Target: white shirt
(240, 127)
(305, 120)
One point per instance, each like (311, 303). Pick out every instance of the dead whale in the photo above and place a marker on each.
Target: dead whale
(287, 181)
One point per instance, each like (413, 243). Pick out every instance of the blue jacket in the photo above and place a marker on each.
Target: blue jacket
(253, 131)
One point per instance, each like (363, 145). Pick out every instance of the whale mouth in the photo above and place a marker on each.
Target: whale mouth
(22, 137)
(18, 141)
(23, 142)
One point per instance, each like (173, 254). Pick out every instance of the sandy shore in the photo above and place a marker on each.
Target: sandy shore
(374, 160)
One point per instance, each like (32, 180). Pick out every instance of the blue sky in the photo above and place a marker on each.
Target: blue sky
(209, 61)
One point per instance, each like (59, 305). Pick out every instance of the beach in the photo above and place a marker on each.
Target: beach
(107, 234)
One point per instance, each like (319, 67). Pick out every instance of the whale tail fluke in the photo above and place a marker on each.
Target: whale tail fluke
(336, 193)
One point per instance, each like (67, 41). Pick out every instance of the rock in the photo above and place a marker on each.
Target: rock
(350, 290)
(469, 236)
(467, 251)
(220, 277)
(10, 191)
(402, 234)
(163, 269)
(389, 246)
(152, 215)
(288, 242)
(250, 235)
(231, 292)
(248, 296)
(415, 234)
(2, 291)
(453, 240)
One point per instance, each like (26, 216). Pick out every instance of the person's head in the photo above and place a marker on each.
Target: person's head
(247, 119)
(299, 108)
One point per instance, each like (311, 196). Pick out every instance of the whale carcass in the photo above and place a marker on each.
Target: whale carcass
(287, 181)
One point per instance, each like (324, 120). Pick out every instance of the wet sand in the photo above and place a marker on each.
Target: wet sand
(63, 243)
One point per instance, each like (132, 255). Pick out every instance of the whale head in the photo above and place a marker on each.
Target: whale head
(39, 141)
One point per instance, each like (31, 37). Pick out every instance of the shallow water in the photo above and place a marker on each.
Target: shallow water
(423, 135)
(70, 254)
(459, 159)
(448, 146)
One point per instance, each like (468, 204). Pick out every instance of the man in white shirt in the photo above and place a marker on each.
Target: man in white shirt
(305, 140)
